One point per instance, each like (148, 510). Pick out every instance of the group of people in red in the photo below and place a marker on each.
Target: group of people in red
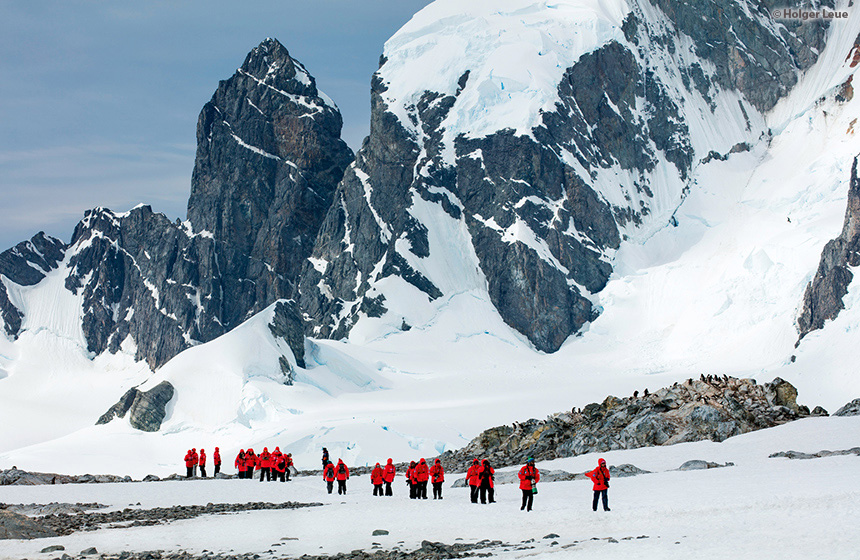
(383, 475)
(481, 478)
(193, 460)
(331, 472)
(273, 466)
(417, 476)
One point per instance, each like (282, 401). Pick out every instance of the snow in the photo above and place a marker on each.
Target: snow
(516, 53)
(784, 507)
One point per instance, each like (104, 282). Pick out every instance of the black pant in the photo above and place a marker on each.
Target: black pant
(265, 472)
(528, 498)
(422, 489)
(329, 485)
(217, 469)
(287, 474)
(377, 489)
(486, 491)
(203, 471)
(280, 475)
(190, 472)
(388, 491)
(597, 494)
(341, 487)
(413, 490)
(473, 494)
(437, 490)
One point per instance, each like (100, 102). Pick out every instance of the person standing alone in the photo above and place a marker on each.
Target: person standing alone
(600, 478)
(529, 477)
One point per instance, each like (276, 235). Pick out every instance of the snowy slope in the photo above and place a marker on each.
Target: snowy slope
(718, 293)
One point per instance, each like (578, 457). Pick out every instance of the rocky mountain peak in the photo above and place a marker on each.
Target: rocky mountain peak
(271, 64)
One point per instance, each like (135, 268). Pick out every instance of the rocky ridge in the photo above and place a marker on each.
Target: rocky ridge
(822, 300)
(710, 407)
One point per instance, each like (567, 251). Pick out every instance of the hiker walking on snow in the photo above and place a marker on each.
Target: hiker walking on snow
(529, 477)
(328, 476)
(437, 477)
(376, 478)
(388, 475)
(600, 478)
(342, 473)
(487, 477)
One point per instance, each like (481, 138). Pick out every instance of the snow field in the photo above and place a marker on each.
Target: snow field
(789, 508)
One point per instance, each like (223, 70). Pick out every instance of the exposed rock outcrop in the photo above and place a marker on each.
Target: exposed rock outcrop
(17, 526)
(146, 409)
(822, 300)
(269, 157)
(850, 409)
(710, 407)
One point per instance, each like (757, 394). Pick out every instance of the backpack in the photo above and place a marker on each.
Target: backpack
(341, 468)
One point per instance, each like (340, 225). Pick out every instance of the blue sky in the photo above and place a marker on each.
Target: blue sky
(99, 100)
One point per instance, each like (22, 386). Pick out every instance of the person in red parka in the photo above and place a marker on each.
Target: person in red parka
(473, 480)
(376, 478)
(201, 461)
(410, 477)
(328, 475)
(341, 472)
(422, 474)
(279, 465)
(600, 478)
(529, 477)
(194, 459)
(265, 463)
(216, 460)
(250, 463)
(388, 475)
(189, 464)
(240, 463)
(437, 477)
(487, 477)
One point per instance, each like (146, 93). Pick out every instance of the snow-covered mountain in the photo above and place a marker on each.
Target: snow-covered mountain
(555, 202)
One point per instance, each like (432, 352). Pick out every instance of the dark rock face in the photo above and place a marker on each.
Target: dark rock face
(712, 408)
(147, 278)
(748, 57)
(541, 232)
(822, 300)
(850, 409)
(287, 324)
(146, 409)
(17, 526)
(269, 157)
(26, 264)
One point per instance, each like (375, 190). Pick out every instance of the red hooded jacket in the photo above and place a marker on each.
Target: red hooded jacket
(376, 475)
(472, 474)
(240, 461)
(328, 472)
(216, 457)
(422, 471)
(341, 471)
(525, 472)
(389, 472)
(189, 459)
(599, 476)
(437, 472)
(202, 458)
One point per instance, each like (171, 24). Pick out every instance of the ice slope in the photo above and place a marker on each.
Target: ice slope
(758, 508)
